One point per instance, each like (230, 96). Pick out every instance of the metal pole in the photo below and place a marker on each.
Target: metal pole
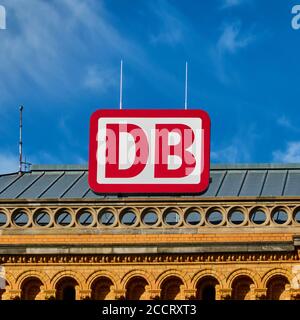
(121, 85)
(21, 142)
(186, 86)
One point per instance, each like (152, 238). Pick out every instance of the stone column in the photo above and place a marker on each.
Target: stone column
(181, 293)
(218, 294)
(77, 292)
(287, 292)
(252, 292)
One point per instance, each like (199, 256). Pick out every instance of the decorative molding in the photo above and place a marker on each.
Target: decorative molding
(146, 259)
(182, 206)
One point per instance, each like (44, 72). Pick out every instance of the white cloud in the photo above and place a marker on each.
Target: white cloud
(228, 154)
(234, 153)
(237, 150)
(52, 46)
(232, 39)
(231, 3)
(99, 79)
(58, 48)
(8, 163)
(291, 154)
(285, 122)
(171, 27)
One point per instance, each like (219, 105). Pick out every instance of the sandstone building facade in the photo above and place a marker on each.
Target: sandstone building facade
(239, 240)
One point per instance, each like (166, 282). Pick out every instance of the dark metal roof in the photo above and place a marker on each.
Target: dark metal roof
(70, 181)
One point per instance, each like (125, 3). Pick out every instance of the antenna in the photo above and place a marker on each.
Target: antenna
(186, 86)
(21, 142)
(21, 162)
(121, 85)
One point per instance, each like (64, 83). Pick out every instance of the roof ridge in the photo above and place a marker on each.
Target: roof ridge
(214, 166)
(59, 167)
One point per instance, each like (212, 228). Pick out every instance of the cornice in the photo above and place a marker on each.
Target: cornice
(141, 249)
(149, 258)
(121, 200)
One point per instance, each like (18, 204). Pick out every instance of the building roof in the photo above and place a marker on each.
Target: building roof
(70, 181)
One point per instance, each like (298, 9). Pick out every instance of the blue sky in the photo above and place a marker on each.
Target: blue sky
(60, 59)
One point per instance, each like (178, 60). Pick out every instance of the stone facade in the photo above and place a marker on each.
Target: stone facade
(151, 248)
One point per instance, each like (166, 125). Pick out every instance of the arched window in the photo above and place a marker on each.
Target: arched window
(276, 288)
(66, 289)
(69, 293)
(136, 289)
(206, 288)
(241, 288)
(170, 288)
(31, 288)
(102, 289)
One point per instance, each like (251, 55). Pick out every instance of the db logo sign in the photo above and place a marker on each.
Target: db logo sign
(149, 151)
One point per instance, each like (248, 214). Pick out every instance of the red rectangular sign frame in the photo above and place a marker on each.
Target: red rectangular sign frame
(123, 188)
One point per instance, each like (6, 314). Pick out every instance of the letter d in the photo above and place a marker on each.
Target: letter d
(140, 156)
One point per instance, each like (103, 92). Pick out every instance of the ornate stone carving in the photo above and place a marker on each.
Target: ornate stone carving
(189, 294)
(120, 294)
(146, 259)
(85, 294)
(260, 294)
(224, 294)
(154, 294)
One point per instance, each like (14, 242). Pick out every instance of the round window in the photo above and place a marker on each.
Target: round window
(41, 218)
(128, 218)
(20, 218)
(107, 218)
(297, 216)
(193, 217)
(279, 216)
(85, 218)
(236, 217)
(3, 219)
(150, 218)
(258, 217)
(63, 218)
(215, 217)
(171, 218)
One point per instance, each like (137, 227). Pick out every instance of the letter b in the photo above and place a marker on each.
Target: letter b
(164, 151)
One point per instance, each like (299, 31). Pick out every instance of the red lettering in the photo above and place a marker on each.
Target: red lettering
(112, 168)
(163, 150)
